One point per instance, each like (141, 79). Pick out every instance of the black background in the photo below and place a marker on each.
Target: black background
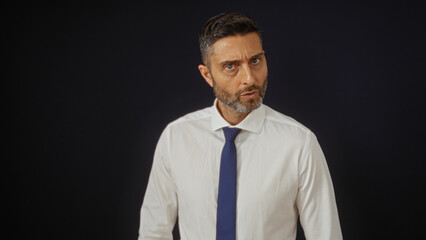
(90, 86)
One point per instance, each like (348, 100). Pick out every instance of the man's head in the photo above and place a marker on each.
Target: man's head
(221, 26)
(235, 63)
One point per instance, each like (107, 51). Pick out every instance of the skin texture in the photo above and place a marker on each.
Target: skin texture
(238, 75)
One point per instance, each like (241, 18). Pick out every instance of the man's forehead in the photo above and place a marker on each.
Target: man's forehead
(237, 47)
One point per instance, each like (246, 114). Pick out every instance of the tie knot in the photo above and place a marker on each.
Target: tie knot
(231, 133)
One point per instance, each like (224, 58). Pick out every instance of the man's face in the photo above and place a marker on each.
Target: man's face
(238, 72)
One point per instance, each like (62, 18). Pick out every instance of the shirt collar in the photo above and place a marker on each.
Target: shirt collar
(253, 122)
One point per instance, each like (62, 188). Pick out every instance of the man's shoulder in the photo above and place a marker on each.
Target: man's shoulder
(193, 117)
(283, 120)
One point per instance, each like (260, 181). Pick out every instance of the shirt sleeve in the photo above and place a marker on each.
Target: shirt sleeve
(316, 201)
(159, 207)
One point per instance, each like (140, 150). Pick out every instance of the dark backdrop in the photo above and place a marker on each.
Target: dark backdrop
(94, 84)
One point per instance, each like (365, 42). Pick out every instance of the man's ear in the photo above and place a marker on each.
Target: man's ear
(204, 71)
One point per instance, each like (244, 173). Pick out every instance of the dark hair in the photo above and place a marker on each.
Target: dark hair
(221, 26)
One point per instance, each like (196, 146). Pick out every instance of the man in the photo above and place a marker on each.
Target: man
(251, 185)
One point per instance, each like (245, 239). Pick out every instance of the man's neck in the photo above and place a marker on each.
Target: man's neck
(231, 115)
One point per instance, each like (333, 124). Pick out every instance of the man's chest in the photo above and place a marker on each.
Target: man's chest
(267, 171)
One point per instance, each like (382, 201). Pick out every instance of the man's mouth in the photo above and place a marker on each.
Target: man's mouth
(250, 94)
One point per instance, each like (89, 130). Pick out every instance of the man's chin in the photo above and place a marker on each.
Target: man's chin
(247, 107)
(242, 105)
(252, 103)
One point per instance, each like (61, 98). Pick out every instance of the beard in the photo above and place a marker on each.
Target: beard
(233, 100)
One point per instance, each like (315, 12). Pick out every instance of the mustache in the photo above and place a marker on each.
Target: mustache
(249, 89)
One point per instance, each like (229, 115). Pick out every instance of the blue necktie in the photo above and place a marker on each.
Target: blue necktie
(226, 200)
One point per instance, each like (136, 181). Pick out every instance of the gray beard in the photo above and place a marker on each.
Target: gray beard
(235, 103)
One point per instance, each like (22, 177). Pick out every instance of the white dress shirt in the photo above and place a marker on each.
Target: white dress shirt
(281, 174)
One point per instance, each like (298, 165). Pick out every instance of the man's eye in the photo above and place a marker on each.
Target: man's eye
(255, 60)
(229, 66)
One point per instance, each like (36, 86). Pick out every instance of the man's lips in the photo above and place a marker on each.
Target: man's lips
(251, 94)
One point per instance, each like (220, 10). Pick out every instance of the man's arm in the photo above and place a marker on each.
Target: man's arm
(159, 208)
(316, 201)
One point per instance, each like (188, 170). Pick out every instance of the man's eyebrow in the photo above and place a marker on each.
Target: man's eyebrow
(226, 62)
(238, 61)
(258, 55)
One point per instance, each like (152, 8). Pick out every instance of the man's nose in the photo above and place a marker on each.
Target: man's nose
(247, 77)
